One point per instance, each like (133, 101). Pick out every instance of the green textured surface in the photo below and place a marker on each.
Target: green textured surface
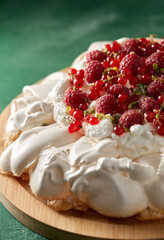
(40, 37)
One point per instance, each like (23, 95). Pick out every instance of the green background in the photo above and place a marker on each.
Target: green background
(40, 37)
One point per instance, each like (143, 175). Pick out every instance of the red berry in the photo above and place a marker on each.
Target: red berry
(99, 85)
(121, 107)
(143, 41)
(78, 83)
(122, 80)
(95, 55)
(160, 130)
(78, 115)
(127, 72)
(93, 93)
(115, 47)
(78, 125)
(71, 111)
(156, 57)
(120, 57)
(160, 99)
(94, 120)
(148, 104)
(129, 45)
(72, 71)
(133, 80)
(105, 104)
(146, 78)
(141, 70)
(123, 98)
(149, 116)
(156, 87)
(108, 47)
(114, 63)
(106, 64)
(132, 62)
(117, 89)
(71, 79)
(118, 130)
(80, 73)
(83, 106)
(87, 118)
(129, 118)
(161, 117)
(72, 128)
(133, 98)
(93, 71)
(74, 98)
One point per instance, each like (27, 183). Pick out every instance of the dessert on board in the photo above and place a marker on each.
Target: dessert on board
(92, 137)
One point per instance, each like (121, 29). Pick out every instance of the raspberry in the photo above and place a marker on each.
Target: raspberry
(74, 98)
(156, 87)
(117, 89)
(156, 57)
(148, 104)
(93, 71)
(129, 118)
(105, 104)
(131, 62)
(129, 45)
(95, 55)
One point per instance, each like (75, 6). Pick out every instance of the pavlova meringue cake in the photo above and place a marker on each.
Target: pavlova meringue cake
(93, 137)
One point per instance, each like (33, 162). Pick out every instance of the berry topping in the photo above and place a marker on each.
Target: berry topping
(155, 61)
(74, 98)
(105, 104)
(117, 89)
(148, 104)
(129, 45)
(93, 71)
(156, 87)
(95, 55)
(132, 62)
(125, 80)
(129, 118)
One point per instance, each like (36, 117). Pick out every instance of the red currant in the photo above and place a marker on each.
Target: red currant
(118, 130)
(99, 85)
(78, 83)
(83, 106)
(80, 73)
(78, 115)
(122, 80)
(94, 120)
(146, 78)
(106, 64)
(72, 128)
(123, 98)
(160, 130)
(71, 111)
(114, 63)
(115, 46)
(149, 116)
(108, 47)
(160, 99)
(94, 94)
(72, 71)
(161, 117)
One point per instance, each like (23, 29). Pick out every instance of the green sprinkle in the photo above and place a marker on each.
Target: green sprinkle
(162, 70)
(132, 104)
(68, 108)
(155, 67)
(115, 118)
(91, 111)
(100, 116)
(85, 113)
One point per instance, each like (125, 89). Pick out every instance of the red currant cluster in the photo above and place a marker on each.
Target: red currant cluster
(126, 80)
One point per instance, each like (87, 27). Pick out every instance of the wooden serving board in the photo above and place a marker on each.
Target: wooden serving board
(72, 225)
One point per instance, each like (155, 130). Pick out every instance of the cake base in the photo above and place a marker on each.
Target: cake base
(17, 198)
